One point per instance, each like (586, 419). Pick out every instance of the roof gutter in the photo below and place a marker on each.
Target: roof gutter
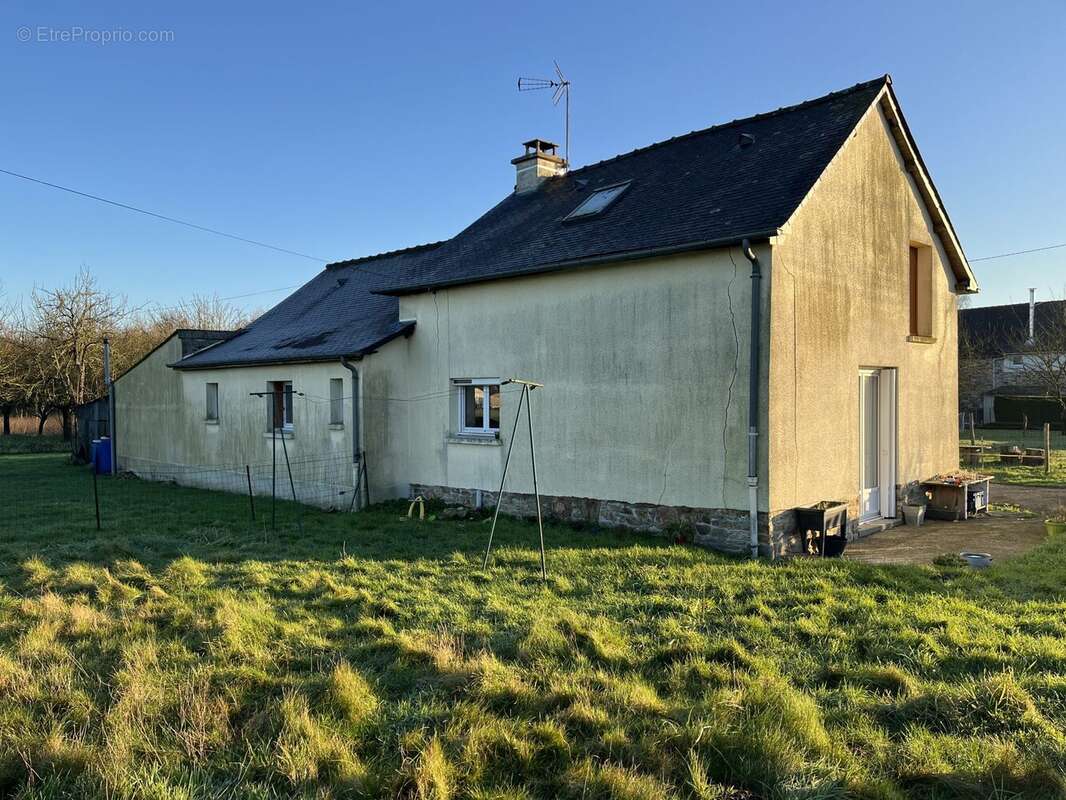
(590, 261)
(753, 397)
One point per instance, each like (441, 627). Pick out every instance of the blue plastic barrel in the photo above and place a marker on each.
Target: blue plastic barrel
(94, 454)
(103, 456)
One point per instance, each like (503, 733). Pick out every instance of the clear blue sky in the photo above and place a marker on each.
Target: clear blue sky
(343, 129)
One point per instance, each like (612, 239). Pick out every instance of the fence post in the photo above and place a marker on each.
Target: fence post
(366, 478)
(96, 499)
(251, 497)
(1047, 448)
(973, 433)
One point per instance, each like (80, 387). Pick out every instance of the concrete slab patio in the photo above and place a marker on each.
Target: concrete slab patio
(1001, 534)
(1038, 499)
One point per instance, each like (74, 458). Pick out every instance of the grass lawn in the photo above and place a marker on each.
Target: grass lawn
(1032, 476)
(176, 654)
(31, 443)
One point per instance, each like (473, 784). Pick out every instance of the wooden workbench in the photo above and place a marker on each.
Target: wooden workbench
(954, 501)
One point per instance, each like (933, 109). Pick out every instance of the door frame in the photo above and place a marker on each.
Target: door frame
(887, 438)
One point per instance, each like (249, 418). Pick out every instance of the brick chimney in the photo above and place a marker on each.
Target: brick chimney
(540, 161)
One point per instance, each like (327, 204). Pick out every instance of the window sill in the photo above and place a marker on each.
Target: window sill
(468, 438)
(210, 422)
(336, 426)
(280, 435)
(921, 339)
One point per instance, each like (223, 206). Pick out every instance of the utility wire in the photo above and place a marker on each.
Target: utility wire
(1020, 252)
(163, 217)
(257, 243)
(194, 226)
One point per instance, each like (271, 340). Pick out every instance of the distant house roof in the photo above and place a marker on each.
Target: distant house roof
(708, 188)
(994, 331)
(332, 316)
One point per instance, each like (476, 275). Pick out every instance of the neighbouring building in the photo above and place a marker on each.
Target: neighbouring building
(626, 287)
(1000, 357)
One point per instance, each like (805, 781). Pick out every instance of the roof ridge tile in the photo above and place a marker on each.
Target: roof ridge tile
(416, 248)
(858, 87)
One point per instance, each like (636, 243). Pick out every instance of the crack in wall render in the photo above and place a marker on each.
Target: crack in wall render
(733, 378)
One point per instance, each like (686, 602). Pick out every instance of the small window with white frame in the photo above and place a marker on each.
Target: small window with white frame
(211, 412)
(479, 406)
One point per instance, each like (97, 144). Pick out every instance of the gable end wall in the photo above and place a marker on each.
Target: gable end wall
(840, 301)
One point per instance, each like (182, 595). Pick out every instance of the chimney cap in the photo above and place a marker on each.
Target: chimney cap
(540, 146)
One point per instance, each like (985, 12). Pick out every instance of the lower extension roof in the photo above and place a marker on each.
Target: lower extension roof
(334, 315)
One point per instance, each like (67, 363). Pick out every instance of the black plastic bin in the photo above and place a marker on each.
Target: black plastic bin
(825, 524)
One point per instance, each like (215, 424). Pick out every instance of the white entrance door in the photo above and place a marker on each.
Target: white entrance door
(869, 444)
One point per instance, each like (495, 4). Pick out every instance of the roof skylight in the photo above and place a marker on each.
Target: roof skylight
(598, 201)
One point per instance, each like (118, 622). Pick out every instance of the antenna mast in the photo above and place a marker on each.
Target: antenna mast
(561, 87)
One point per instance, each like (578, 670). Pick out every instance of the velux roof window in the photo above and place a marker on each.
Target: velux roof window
(598, 202)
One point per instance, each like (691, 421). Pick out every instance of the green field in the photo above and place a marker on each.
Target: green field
(1031, 476)
(178, 654)
(31, 443)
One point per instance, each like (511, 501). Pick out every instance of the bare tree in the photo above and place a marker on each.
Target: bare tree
(1043, 357)
(11, 393)
(51, 356)
(202, 312)
(69, 325)
(148, 328)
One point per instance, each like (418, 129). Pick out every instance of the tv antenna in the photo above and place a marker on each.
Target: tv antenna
(561, 87)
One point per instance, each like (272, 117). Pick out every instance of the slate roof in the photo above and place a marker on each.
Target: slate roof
(690, 191)
(335, 314)
(709, 188)
(993, 331)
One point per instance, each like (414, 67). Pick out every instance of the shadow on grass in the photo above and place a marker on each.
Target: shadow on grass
(48, 509)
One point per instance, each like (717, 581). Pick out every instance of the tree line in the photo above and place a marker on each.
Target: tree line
(51, 344)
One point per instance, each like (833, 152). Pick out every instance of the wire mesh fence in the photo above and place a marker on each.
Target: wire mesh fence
(271, 488)
(261, 497)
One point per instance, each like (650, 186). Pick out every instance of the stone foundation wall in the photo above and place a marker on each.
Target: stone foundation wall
(724, 529)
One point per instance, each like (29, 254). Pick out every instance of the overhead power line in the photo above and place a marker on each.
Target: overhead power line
(193, 225)
(163, 217)
(234, 237)
(1020, 252)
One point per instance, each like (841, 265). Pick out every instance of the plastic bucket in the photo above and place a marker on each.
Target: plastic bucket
(914, 516)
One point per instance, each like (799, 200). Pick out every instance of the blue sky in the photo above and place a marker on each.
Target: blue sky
(343, 129)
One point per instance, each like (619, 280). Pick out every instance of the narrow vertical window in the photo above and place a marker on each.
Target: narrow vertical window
(211, 413)
(279, 408)
(336, 401)
(921, 291)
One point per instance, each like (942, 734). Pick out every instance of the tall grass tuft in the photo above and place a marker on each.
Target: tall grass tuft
(429, 775)
(352, 694)
(306, 751)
